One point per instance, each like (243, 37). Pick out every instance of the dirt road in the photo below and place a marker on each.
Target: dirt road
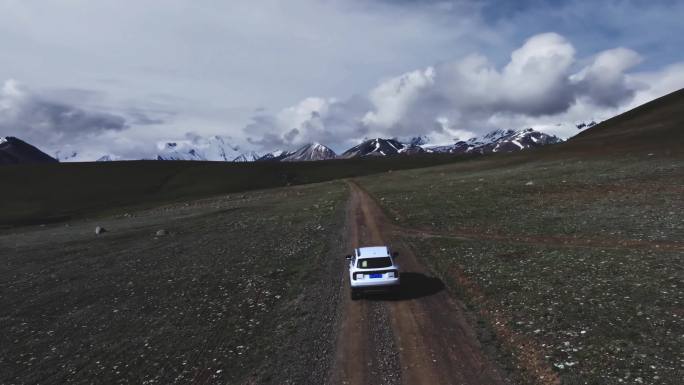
(419, 336)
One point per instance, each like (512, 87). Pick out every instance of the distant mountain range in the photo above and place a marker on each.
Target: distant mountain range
(654, 126)
(217, 148)
(495, 141)
(500, 141)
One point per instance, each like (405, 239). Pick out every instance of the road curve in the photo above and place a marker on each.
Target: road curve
(420, 336)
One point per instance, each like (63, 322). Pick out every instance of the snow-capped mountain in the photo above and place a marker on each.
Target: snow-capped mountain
(214, 148)
(15, 151)
(250, 156)
(276, 155)
(417, 140)
(500, 141)
(381, 147)
(217, 148)
(309, 152)
(172, 151)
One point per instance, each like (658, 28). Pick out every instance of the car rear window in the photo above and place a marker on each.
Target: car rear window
(374, 263)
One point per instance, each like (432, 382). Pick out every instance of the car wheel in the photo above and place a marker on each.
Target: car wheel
(355, 294)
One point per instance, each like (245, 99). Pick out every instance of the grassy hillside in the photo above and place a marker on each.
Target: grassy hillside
(657, 125)
(571, 255)
(54, 192)
(575, 264)
(34, 194)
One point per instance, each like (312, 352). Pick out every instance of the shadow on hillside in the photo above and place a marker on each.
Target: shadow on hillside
(413, 286)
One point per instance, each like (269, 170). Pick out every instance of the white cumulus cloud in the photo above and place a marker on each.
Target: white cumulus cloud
(543, 85)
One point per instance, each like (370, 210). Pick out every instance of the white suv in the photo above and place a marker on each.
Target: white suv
(372, 268)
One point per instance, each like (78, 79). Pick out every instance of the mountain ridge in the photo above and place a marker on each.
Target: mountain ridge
(500, 141)
(656, 125)
(217, 148)
(15, 151)
(311, 152)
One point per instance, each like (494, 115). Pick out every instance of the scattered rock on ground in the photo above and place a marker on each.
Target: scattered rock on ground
(162, 232)
(530, 183)
(99, 230)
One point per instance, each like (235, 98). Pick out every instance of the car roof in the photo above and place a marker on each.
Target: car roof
(373, 252)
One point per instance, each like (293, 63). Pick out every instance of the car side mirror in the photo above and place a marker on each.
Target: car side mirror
(395, 254)
(348, 257)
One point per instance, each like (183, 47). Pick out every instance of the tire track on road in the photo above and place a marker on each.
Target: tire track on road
(365, 351)
(431, 338)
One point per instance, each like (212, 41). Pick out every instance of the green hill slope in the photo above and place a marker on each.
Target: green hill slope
(656, 125)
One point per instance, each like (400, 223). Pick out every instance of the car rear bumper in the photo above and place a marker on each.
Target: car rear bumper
(374, 283)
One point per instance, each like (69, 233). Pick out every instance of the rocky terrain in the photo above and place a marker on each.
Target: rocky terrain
(233, 289)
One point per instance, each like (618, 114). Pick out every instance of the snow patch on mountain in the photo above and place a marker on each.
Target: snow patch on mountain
(500, 141)
(275, 156)
(310, 152)
(250, 156)
(375, 147)
(214, 148)
(108, 158)
(178, 151)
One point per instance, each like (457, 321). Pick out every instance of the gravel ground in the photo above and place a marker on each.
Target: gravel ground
(574, 265)
(238, 291)
(385, 368)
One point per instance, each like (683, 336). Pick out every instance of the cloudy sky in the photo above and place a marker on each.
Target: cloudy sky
(112, 77)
